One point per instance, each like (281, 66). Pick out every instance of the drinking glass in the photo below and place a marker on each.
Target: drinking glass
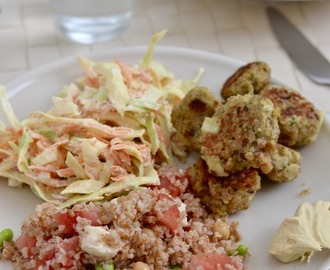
(90, 21)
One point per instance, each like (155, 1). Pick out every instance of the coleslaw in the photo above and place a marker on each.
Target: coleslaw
(105, 133)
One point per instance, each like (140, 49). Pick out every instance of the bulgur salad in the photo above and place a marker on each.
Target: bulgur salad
(102, 159)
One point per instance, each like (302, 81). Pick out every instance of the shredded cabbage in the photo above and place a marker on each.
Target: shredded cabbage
(104, 134)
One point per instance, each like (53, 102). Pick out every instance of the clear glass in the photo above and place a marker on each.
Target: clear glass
(91, 21)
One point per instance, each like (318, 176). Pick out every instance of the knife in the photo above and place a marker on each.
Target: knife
(302, 52)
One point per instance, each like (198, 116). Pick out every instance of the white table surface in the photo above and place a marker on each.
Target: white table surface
(236, 28)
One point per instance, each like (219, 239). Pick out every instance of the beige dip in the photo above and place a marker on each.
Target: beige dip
(298, 237)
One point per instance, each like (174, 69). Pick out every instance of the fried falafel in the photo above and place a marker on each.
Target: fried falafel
(300, 121)
(286, 164)
(188, 116)
(241, 134)
(250, 78)
(223, 195)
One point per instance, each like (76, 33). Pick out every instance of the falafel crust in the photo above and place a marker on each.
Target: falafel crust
(188, 116)
(241, 134)
(250, 78)
(223, 195)
(286, 163)
(300, 121)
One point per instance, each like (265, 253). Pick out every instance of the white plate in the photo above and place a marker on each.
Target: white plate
(272, 203)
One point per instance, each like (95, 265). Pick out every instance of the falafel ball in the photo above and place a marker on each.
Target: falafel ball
(300, 121)
(286, 164)
(223, 195)
(250, 78)
(188, 116)
(241, 134)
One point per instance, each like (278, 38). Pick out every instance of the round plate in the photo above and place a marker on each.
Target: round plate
(273, 202)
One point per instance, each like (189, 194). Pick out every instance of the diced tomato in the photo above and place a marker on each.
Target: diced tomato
(24, 241)
(172, 186)
(92, 216)
(69, 221)
(170, 217)
(211, 262)
(70, 243)
(66, 222)
(166, 183)
(43, 261)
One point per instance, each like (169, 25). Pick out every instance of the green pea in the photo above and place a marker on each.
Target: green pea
(242, 250)
(175, 267)
(6, 235)
(109, 266)
(99, 267)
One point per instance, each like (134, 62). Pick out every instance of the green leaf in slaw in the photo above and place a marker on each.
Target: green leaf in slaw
(7, 109)
(87, 125)
(3, 128)
(65, 108)
(150, 51)
(83, 187)
(17, 179)
(48, 155)
(23, 147)
(75, 165)
(151, 130)
(91, 150)
(114, 83)
(151, 178)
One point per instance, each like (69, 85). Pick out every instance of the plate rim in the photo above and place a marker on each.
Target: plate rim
(23, 79)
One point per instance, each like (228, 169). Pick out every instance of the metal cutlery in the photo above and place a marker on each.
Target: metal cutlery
(302, 52)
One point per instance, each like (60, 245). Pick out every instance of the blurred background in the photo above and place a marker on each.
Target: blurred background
(236, 28)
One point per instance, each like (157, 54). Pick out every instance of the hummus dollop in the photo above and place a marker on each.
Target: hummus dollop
(298, 237)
